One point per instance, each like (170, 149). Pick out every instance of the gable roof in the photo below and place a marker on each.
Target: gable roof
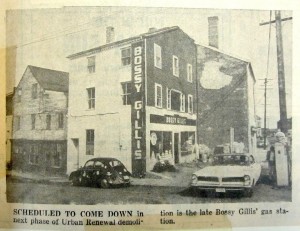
(151, 33)
(51, 79)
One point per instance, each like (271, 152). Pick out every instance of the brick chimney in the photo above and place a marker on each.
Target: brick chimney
(110, 34)
(213, 31)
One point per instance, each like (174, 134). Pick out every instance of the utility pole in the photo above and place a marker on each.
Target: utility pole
(265, 116)
(280, 68)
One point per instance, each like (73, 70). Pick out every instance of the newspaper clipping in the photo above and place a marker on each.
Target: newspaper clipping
(139, 116)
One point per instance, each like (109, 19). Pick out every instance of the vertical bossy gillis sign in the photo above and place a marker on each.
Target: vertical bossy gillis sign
(138, 115)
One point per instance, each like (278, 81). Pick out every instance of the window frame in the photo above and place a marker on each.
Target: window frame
(175, 68)
(156, 95)
(91, 98)
(125, 94)
(34, 90)
(91, 67)
(19, 94)
(189, 73)
(60, 120)
(190, 104)
(126, 60)
(157, 53)
(33, 121)
(90, 143)
(48, 122)
(182, 102)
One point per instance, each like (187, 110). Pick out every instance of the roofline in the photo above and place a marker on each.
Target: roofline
(125, 41)
(225, 53)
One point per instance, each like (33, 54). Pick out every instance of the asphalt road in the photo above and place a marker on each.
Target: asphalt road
(58, 193)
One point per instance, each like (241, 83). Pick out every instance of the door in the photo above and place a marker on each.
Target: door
(176, 148)
(76, 145)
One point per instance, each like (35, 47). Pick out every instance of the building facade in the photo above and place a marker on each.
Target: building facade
(9, 124)
(39, 135)
(134, 99)
(225, 99)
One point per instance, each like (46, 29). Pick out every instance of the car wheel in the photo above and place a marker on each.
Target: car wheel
(75, 181)
(81, 181)
(104, 183)
(248, 192)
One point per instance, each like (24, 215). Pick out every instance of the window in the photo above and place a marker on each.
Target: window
(125, 56)
(56, 155)
(187, 143)
(19, 95)
(60, 120)
(91, 98)
(90, 142)
(33, 121)
(91, 64)
(17, 123)
(189, 73)
(48, 122)
(175, 66)
(127, 89)
(190, 104)
(34, 91)
(158, 95)
(182, 103)
(157, 56)
(176, 100)
(33, 156)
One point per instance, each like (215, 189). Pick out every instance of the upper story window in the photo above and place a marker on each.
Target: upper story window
(125, 56)
(91, 64)
(48, 122)
(17, 122)
(189, 73)
(60, 120)
(91, 97)
(33, 121)
(190, 104)
(90, 139)
(175, 100)
(19, 94)
(34, 91)
(127, 89)
(157, 56)
(158, 95)
(175, 66)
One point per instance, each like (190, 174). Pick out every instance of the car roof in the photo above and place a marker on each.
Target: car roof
(104, 159)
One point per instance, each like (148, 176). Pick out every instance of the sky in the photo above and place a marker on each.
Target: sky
(45, 37)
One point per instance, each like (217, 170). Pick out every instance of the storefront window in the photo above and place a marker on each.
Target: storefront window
(160, 144)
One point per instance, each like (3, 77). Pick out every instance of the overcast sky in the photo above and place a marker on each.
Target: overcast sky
(44, 37)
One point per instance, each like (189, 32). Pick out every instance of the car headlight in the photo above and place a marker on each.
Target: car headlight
(194, 179)
(247, 180)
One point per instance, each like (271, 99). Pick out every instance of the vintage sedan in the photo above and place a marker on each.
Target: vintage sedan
(103, 172)
(228, 172)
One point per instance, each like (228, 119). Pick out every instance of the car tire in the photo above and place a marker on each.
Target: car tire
(104, 184)
(248, 192)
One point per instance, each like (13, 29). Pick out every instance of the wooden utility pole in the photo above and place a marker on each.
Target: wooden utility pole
(265, 116)
(280, 67)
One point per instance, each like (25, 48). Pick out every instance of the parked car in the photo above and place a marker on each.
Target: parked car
(103, 172)
(228, 172)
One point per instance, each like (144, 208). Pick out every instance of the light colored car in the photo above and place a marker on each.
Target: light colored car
(228, 172)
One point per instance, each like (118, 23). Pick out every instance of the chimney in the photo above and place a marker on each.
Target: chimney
(213, 29)
(110, 34)
(152, 29)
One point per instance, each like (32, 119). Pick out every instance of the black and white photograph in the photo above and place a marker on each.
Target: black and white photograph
(148, 106)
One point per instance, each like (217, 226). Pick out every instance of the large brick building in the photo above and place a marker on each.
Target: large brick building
(133, 99)
(39, 121)
(225, 99)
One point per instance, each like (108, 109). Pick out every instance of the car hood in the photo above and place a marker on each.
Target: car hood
(224, 171)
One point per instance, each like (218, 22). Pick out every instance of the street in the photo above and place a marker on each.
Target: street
(42, 193)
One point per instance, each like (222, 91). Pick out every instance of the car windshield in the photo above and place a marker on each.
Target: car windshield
(230, 160)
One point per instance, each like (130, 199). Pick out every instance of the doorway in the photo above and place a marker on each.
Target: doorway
(176, 148)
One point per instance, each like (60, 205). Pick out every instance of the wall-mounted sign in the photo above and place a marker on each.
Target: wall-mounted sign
(169, 119)
(138, 110)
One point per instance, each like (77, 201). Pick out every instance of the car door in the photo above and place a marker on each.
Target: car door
(87, 172)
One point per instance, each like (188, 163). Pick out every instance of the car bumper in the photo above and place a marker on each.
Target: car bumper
(220, 189)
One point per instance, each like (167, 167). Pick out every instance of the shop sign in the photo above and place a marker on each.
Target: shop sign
(172, 119)
(138, 110)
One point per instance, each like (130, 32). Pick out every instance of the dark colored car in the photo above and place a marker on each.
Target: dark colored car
(103, 172)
